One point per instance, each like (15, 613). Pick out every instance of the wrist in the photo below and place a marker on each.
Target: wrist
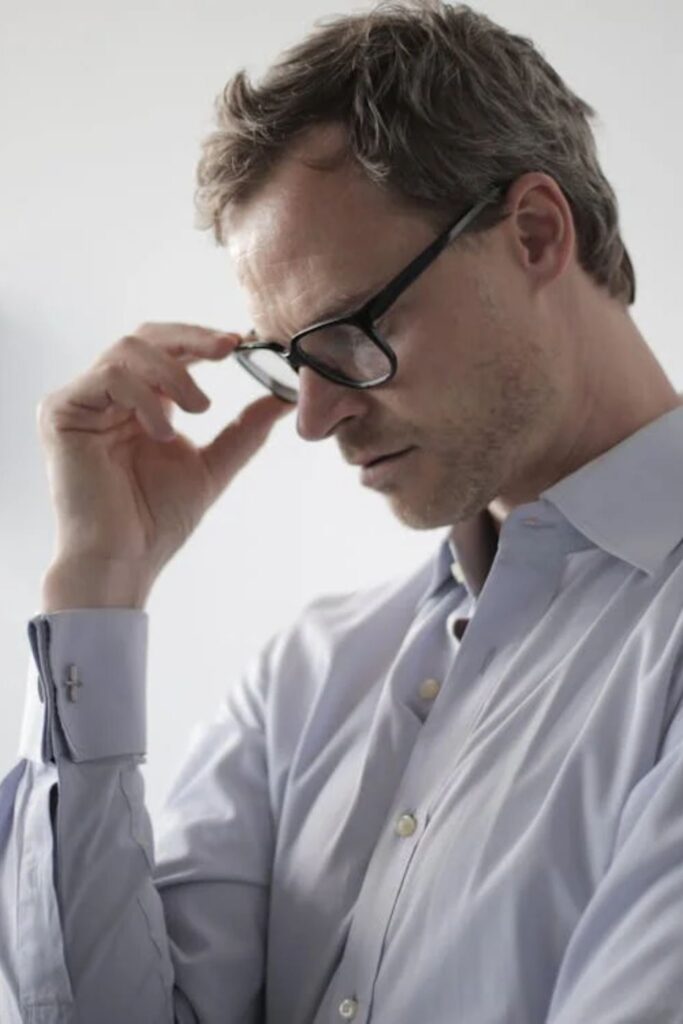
(92, 582)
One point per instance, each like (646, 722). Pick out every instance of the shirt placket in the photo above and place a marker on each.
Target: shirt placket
(520, 586)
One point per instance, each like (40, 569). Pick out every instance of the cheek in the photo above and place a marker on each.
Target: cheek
(429, 360)
(422, 393)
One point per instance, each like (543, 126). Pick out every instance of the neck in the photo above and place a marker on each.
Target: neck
(616, 387)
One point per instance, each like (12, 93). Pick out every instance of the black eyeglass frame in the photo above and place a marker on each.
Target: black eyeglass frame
(364, 317)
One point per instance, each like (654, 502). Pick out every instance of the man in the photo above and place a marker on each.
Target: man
(452, 797)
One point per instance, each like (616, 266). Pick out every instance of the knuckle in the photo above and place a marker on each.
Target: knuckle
(47, 416)
(112, 365)
(131, 341)
(114, 369)
(42, 412)
(47, 405)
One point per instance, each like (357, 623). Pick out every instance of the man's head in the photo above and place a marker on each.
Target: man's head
(355, 151)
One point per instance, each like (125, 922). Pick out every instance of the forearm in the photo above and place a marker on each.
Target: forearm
(112, 918)
(111, 933)
(90, 936)
(78, 859)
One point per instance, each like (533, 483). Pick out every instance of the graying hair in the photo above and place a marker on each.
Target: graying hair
(438, 104)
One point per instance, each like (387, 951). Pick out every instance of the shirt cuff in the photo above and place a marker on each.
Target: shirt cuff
(85, 696)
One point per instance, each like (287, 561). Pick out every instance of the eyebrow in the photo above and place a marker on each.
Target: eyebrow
(343, 306)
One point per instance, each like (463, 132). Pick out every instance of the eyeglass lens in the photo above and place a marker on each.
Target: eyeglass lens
(344, 349)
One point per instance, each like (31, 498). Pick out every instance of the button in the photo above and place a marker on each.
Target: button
(348, 1009)
(457, 573)
(429, 689)
(406, 825)
(530, 521)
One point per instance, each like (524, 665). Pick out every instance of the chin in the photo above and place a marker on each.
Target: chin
(426, 508)
(420, 515)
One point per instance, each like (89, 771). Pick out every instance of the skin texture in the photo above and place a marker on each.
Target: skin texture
(515, 368)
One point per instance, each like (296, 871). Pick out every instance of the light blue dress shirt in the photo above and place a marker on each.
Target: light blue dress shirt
(395, 816)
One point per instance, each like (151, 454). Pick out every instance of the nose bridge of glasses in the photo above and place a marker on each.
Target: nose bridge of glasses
(340, 353)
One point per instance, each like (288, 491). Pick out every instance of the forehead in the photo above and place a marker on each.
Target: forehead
(308, 237)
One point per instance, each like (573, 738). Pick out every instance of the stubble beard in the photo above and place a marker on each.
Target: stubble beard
(456, 489)
(457, 482)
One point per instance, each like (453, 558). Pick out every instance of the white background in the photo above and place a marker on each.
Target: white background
(103, 104)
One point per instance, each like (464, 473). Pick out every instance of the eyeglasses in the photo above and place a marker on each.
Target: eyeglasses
(348, 349)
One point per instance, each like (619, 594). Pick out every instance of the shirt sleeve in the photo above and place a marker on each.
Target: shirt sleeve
(624, 961)
(92, 926)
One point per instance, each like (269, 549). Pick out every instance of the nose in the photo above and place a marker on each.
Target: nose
(322, 405)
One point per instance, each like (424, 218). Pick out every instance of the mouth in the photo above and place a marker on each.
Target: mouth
(385, 458)
(380, 469)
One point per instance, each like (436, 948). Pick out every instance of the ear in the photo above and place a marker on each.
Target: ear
(540, 227)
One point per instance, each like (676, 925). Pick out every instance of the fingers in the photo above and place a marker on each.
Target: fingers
(189, 343)
(103, 399)
(242, 438)
(162, 372)
(130, 392)
(145, 373)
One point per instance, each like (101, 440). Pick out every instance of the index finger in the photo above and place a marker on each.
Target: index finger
(190, 343)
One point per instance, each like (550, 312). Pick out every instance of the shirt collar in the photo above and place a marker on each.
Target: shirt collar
(628, 501)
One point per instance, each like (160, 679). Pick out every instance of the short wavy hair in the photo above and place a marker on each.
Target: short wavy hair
(439, 104)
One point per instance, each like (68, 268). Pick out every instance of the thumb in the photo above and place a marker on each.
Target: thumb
(234, 446)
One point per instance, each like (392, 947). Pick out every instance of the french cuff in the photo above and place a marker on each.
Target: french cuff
(86, 692)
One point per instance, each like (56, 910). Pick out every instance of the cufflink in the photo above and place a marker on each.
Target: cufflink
(72, 683)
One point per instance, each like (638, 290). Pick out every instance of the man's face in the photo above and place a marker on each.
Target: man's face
(473, 395)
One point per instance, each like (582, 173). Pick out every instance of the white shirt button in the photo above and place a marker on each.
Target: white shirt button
(429, 689)
(348, 1009)
(457, 573)
(406, 825)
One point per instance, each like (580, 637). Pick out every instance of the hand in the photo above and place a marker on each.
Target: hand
(125, 496)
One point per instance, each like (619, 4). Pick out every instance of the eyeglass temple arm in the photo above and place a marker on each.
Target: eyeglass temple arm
(274, 346)
(413, 270)
(381, 302)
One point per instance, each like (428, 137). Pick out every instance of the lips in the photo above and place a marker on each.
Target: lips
(384, 468)
(382, 458)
